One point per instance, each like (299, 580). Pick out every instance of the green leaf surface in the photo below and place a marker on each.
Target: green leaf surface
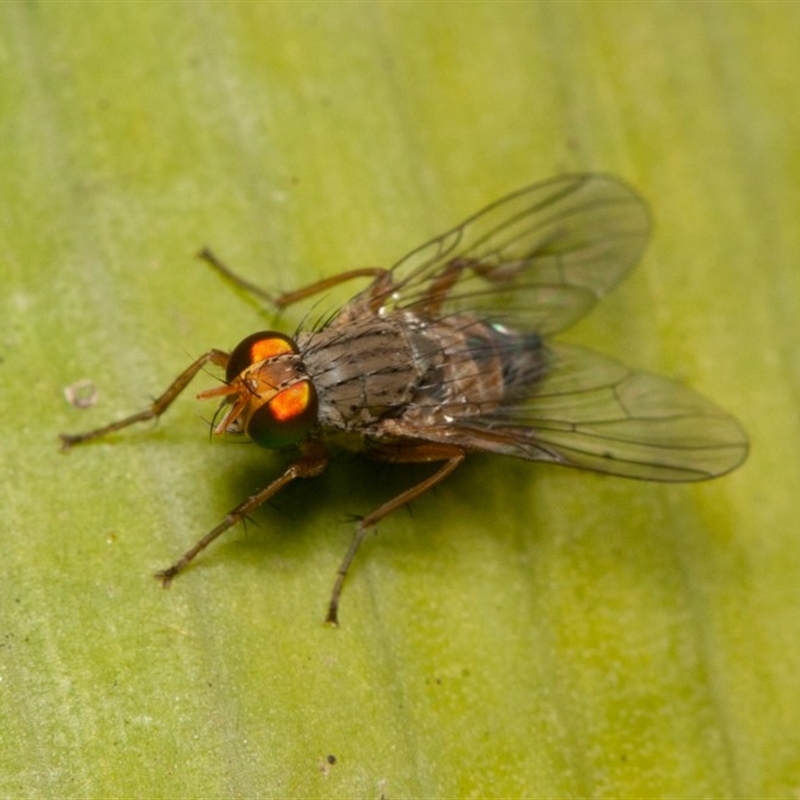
(524, 630)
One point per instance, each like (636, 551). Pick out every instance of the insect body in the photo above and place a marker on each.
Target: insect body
(446, 353)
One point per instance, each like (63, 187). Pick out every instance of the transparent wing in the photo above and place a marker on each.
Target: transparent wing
(591, 412)
(537, 259)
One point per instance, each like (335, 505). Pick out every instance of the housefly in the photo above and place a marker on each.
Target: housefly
(448, 353)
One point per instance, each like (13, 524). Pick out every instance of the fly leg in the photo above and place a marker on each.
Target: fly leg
(312, 463)
(287, 298)
(159, 405)
(454, 458)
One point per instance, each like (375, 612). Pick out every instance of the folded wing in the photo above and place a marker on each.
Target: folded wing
(537, 259)
(592, 412)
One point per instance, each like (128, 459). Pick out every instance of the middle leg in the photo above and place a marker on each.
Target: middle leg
(453, 460)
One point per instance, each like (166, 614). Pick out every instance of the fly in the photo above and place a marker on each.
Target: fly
(448, 353)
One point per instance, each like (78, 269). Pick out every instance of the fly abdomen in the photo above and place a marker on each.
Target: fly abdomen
(523, 357)
(481, 367)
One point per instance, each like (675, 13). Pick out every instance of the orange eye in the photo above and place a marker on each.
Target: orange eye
(257, 347)
(287, 418)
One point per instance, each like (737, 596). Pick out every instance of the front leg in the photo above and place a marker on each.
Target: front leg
(159, 405)
(312, 463)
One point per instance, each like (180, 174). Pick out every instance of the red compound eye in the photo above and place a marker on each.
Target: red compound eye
(257, 347)
(286, 418)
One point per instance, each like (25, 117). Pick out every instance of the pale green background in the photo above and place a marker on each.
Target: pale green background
(524, 631)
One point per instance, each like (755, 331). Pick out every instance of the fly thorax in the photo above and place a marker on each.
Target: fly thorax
(362, 370)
